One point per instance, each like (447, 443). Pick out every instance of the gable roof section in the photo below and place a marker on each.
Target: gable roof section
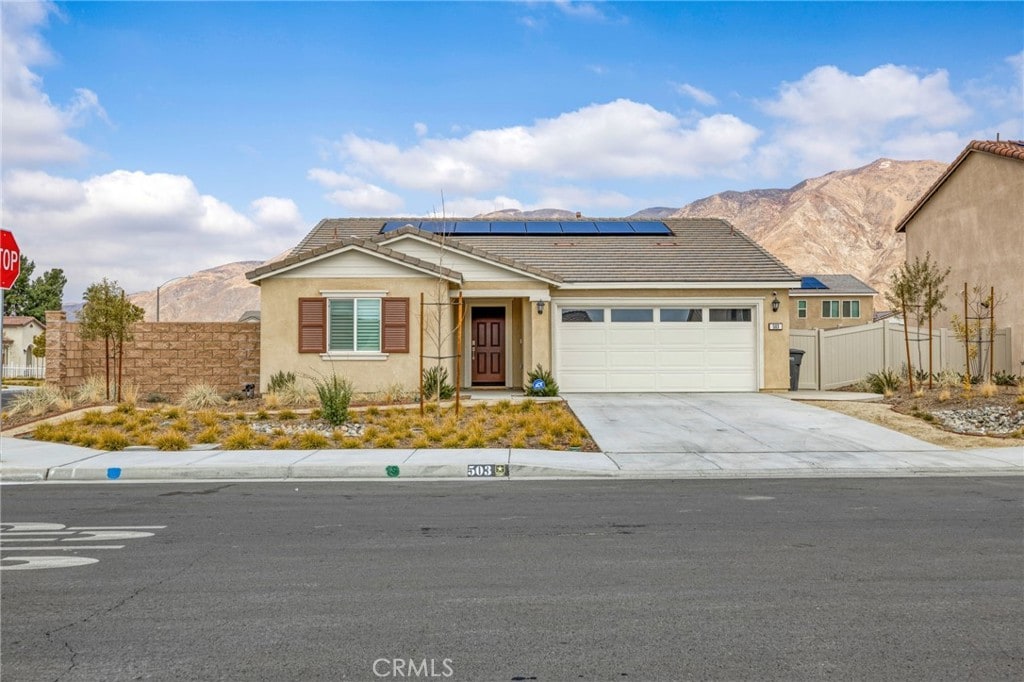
(1010, 150)
(834, 284)
(21, 321)
(698, 251)
(458, 245)
(327, 250)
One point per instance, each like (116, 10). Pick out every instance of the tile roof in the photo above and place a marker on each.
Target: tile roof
(1010, 149)
(366, 245)
(838, 284)
(20, 321)
(698, 251)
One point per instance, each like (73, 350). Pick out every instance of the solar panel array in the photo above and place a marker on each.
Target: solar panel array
(517, 227)
(811, 283)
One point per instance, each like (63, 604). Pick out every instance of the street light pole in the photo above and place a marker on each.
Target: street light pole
(173, 279)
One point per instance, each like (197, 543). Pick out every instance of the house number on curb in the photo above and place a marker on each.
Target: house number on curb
(486, 470)
(391, 471)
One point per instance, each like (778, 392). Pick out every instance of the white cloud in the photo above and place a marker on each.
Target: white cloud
(420, 128)
(580, 10)
(620, 139)
(470, 206)
(276, 212)
(700, 96)
(831, 119)
(35, 130)
(137, 228)
(584, 199)
(356, 195)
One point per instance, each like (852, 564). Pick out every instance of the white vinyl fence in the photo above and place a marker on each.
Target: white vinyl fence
(36, 371)
(839, 357)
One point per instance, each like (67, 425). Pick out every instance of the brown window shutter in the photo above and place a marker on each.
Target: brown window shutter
(394, 325)
(312, 325)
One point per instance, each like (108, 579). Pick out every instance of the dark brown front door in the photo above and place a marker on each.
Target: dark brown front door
(489, 346)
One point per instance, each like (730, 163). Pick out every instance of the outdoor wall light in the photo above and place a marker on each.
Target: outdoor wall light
(775, 302)
(540, 307)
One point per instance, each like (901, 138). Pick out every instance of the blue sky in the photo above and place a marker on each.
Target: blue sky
(142, 141)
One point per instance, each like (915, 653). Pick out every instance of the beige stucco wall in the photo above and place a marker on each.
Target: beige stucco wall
(776, 343)
(814, 320)
(279, 333)
(974, 224)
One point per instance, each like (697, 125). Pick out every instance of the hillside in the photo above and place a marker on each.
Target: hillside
(842, 222)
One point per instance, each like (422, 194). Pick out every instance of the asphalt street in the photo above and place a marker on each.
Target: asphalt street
(807, 579)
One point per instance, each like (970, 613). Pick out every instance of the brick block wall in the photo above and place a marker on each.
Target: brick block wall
(163, 357)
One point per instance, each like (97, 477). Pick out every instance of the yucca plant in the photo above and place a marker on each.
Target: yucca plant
(436, 385)
(541, 382)
(886, 381)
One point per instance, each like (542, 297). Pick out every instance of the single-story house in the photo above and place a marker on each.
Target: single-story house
(606, 305)
(970, 221)
(20, 332)
(830, 302)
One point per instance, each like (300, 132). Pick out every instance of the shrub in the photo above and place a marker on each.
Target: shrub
(170, 440)
(988, 389)
(885, 381)
(281, 443)
(280, 381)
(539, 374)
(287, 415)
(335, 394)
(1002, 378)
(947, 378)
(199, 396)
(156, 397)
(436, 385)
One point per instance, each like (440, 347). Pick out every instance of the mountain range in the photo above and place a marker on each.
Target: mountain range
(839, 223)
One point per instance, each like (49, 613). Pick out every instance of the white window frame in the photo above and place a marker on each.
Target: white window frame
(832, 304)
(355, 296)
(801, 309)
(847, 307)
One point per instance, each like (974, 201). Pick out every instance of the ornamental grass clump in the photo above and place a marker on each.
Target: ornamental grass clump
(199, 396)
(170, 440)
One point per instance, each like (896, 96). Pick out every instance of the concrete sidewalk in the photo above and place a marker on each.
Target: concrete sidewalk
(31, 461)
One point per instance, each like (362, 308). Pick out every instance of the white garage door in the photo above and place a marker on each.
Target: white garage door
(629, 347)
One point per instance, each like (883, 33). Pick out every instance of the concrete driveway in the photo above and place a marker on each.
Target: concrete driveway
(651, 423)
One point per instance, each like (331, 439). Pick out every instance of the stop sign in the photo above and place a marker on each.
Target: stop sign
(10, 259)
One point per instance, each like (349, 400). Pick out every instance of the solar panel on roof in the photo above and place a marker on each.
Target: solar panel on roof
(472, 227)
(616, 227)
(438, 226)
(811, 283)
(649, 227)
(508, 227)
(578, 227)
(544, 228)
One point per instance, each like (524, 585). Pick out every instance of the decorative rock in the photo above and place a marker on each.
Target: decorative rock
(350, 429)
(995, 421)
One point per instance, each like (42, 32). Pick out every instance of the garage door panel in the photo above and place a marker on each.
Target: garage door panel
(688, 358)
(630, 359)
(696, 355)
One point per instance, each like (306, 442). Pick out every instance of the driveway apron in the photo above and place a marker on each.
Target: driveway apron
(727, 423)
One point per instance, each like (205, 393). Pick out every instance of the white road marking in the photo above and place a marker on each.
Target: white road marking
(29, 563)
(56, 537)
(65, 548)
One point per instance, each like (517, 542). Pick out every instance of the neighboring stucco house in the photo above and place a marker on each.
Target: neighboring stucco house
(972, 221)
(607, 305)
(19, 333)
(831, 301)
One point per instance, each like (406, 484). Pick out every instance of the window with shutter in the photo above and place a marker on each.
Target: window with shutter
(312, 325)
(395, 325)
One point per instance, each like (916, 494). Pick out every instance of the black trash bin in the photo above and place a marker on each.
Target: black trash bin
(796, 356)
